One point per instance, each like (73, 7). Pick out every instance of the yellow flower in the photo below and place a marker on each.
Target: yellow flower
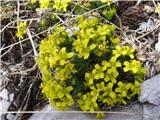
(21, 29)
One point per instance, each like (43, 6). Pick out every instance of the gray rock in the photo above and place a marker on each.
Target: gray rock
(51, 114)
(151, 112)
(131, 113)
(135, 112)
(150, 91)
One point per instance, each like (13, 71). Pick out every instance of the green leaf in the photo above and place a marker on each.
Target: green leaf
(68, 96)
(124, 102)
(134, 69)
(87, 75)
(84, 97)
(63, 50)
(137, 83)
(91, 109)
(131, 56)
(62, 62)
(60, 95)
(115, 40)
(118, 64)
(101, 75)
(105, 65)
(91, 47)
(112, 94)
(113, 59)
(86, 107)
(126, 63)
(110, 85)
(127, 86)
(107, 78)
(100, 85)
(120, 84)
(126, 69)
(69, 88)
(113, 80)
(124, 52)
(97, 66)
(105, 100)
(124, 93)
(97, 76)
(100, 115)
(58, 104)
(90, 81)
(69, 55)
(118, 90)
(86, 55)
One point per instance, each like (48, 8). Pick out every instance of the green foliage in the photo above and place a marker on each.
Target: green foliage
(133, 66)
(100, 115)
(58, 93)
(88, 66)
(104, 1)
(52, 11)
(61, 4)
(21, 29)
(109, 13)
(55, 4)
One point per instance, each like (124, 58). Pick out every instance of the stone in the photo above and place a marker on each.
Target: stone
(137, 111)
(129, 113)
(4, 94)
(150, 91)
(4, 105)
(49, 113)
(10, 116)
(151, 112)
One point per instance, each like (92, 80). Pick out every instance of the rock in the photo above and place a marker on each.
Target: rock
(151, 112)
(10, 117)
(11, 97)
(150, 91)
(131, 113)
(135, 112)
(4, 94)
(49, 113)
(4, 105)
(3, 78)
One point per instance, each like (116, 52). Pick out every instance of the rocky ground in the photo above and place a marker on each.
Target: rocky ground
(20, 77)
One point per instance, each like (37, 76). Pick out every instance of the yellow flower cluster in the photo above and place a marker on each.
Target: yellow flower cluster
(21, 29)
(88, 67)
